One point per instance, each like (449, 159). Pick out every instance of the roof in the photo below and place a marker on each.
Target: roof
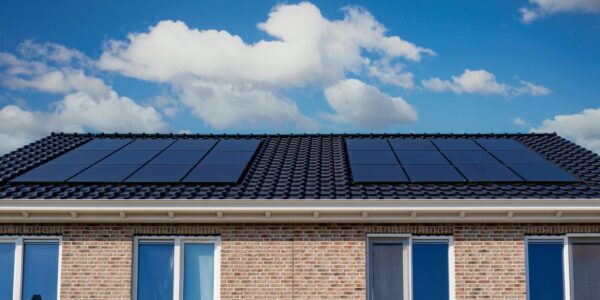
(303, 166)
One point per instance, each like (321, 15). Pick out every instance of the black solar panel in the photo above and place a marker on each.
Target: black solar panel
(228, 158)
(51, 173)
(378, 173)
(501, 144)
(421, 158)
(80, 157)
(519, 157)
(372, 158)
(149, 144)
(433, 173)
(193, 145)
(488, 173)
(237, 145)
(412, 145)
(542, 173)
(105, 173)
(456, 144)
(213, 173)
(470, 157)
(178, 158)
(104, 144)
(367, 144)
(129, 158)
(160, 173)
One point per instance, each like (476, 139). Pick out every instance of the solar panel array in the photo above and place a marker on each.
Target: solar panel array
(448, 160)
(149, 161)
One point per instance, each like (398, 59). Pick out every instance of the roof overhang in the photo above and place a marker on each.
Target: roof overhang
(300, 211)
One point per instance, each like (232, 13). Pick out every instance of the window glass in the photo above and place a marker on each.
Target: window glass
(7, 262)
(155, 271)
(198, 271)
(545, 271)
(430, 272)
(585, 260)
(386, 268)
(40, 270)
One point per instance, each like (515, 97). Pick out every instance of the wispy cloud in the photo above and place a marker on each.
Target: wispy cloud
(582, 127)
(544, 8)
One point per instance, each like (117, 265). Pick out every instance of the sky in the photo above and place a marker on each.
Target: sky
(476, 66)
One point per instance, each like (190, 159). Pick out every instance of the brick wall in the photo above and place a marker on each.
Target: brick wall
(293, 261)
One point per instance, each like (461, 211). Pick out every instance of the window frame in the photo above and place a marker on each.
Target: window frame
(407, 242)
(19, 241)
(566, 240)
(178, 263)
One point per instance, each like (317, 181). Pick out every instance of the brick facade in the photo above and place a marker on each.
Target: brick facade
(294, 261)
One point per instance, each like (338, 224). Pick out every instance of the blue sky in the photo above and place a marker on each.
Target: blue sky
(321, 66)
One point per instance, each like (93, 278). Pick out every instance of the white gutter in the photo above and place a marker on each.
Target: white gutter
(299, 210)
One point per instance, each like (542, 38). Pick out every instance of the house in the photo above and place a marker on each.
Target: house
(323, 216)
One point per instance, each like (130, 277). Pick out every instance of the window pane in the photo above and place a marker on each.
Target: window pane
(430, 271)
(545, 270)
(198, 271)
(40, 270)
(7, 265)
(155, 271)
(386, 270)
(586, 270)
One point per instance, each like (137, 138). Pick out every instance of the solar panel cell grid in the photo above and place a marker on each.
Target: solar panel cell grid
(51, 173)
(149, 144)
(519, 157)
(412, 145)
(105, 173)
(501, 144)
(160, 173)
(80, 157)
(456, 144)
(129, 158)
(421, 158)
(237, 145)
(367, 145)
(372, 158)
(543, 173)
(488, 173)
(470, 157)
(214, 173)
(104, 144)
(193, 145)
(178, 158)
(433, 173)
(378, 173)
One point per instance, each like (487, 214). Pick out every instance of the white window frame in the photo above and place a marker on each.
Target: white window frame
(19, 242)
(567, 242)
(408, 240)
(178, 264)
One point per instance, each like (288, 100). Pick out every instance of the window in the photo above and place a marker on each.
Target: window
(176, 268)
(406, 267)
(29, 268)
(563, 267)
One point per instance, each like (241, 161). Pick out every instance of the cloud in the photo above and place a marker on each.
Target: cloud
(484, 83)
(520, 122)
(544, 8)
(357, 103)
(583, 128)
(87, 102)
(229, 82)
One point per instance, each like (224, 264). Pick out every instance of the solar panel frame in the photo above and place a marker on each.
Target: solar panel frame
(421, 158)
(501, 144)
(367, 145)
(372, 158)
(470, 157)
(456, 144)
(378, 174)
(543, 173)
(433, 173)
(148, 144)
(488, 173)
(76, 157)
(169, 157)
(51, 173)
(160, 173)
(104, 144)
(412, 145)
(123, 157)
(105, 173)
(215, 173)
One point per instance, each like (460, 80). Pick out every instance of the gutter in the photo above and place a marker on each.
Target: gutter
(300, 211)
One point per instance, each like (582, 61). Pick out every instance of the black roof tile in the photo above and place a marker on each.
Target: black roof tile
(303, 166)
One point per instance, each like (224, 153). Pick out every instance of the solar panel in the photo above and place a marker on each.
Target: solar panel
(519, 157)
(433, 173)
(456, 144)
(421, 158)
(372, 158)
(80, 157)
(149, 144)
(193, 144)
(129, 158)
(105, 173)
(488, 173)
(51, 173)
(178, 158)
(412, 145)
(213, 173)
(470, 157)
(367, 144)
(228, 158)
(160, 173)
(237, 145)
(104, 144)
(378, 173)
(542, 173)
(501, 144)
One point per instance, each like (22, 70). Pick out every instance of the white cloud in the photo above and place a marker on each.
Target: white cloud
(228, 82)
(544, 8)
(484, 83)
(357, 103)
(520, 122)
(583, 128)
(87, 103)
